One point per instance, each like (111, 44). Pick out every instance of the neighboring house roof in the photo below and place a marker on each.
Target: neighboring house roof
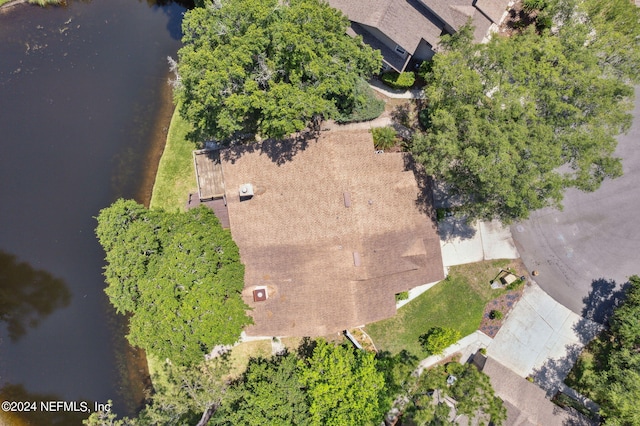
(298, 239)
(525, 402)
(405, 22)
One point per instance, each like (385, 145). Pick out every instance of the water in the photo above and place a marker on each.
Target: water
(83, 113)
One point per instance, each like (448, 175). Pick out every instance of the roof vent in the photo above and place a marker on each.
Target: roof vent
(260, 294)
(356, 259)
(347, 199)
(246, 191)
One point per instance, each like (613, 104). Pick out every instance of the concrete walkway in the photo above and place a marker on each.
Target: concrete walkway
(380, 87)
(541, 338)
(467, 346)
(462, 243)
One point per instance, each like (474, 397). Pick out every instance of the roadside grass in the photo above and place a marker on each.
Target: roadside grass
(457, 302)
(175, 177)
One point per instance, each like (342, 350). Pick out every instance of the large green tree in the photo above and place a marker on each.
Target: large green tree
(268, 393)
(343, 386)
(267, 66)
(511, 124)
(178, 274)
(610, 372)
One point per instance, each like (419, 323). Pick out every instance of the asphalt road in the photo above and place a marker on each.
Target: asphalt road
(587, 251)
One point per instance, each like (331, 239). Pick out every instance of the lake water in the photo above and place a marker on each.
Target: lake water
(83, 114)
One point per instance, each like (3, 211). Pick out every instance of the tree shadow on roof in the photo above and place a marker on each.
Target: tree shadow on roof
(452, 227)
(280, 151)
(604, 296)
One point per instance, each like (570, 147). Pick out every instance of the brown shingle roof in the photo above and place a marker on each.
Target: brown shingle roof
(297, 237)
(404, 22)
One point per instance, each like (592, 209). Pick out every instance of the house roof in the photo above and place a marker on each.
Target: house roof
(298, 238)
(525, 402)
(405, 22)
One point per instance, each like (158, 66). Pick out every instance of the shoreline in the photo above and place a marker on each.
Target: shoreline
(5, 7)
(158, 143)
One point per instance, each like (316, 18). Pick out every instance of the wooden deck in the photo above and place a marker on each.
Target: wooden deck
(208, 174)
(218, 206)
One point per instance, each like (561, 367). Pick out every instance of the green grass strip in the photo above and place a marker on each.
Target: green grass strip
(176, 176)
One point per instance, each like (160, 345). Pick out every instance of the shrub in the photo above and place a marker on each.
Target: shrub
(516, 284)
(402, 296)
(495, 314)
(424, 118)
(425, 68)
(365, 105)
(404, 80)
(437, 339)
(531, 5)
(483, 351)
(384, 137)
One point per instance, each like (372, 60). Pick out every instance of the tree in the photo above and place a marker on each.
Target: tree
(471, 390)
(511, 124)
(182, 396)
(437, 339)
(343, 386)
(269, 392)
(613, 380)
(267, 66)
(180, 276)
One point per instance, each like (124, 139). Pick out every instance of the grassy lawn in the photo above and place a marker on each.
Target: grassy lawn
(176, 177)
(457, 302)
(240, 354)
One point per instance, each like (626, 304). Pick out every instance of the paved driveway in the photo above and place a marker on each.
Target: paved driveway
(541, 338)
(586, 251)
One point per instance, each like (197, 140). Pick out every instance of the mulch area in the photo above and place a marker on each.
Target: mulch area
(504, 304)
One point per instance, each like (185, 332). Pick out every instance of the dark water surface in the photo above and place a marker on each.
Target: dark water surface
(82, 98)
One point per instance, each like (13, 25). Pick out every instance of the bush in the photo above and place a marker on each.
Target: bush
(437, 339)
(495, 314)
(516, 284)
(365, 105)
(425, 68)
(402, 296)
(404, 80)
(384, 137)
(531, 5)
(424, 118)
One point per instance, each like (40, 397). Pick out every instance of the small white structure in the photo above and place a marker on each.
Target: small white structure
(246, 190)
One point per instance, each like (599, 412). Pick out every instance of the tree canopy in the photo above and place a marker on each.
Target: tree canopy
(267, 67)
(610, 373)
(343, 386)
(512, 123)
(180, 276)
(471, 389)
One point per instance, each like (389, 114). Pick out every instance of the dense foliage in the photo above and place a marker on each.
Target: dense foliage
(178, 274)
(471, 390)
(610, 374)
(267, 67)
(384, 137)
(365, 105)
(343, 386)
(511, 124)
(437, 339)
(403, 80)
